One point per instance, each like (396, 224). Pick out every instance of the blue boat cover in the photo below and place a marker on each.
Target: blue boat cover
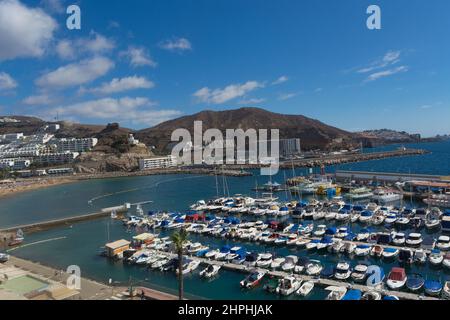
(352, 295)
(331, 231)
(390, 250)
(433, 285)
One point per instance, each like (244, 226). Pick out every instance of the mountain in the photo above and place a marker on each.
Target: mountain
(313, 133)
(387, 136)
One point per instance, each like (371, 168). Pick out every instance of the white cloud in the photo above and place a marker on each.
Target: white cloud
(139, 57)
(42, 99)
(386, 73)
(54, 6)
(75, 74)
(252, 101)
(120, 85)
(94, 44)
(24, 31)
(426, 106)
(317, 90)
(287, 96)
(7, 82)
(280, 80)
(219, 96)
(177, 44)
(137, 111)
(390, 58)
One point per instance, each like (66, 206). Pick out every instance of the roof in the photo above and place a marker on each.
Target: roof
(117, 244)
(144, 236)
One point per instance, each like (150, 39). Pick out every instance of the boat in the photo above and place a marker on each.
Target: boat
(210, 271)
(378, 218)
(414, 240)
(391, 298)
(253, 279)
(343, 215)
(342, 233)
(320, 231)
(445, 223)
(406, 256)
(390, 253)
(349, 248)
(432, 219)
(4, 257)
(399, 239)
(420, 256)
(18, 239)
(363, 235)
(415, 282)
(433, 288)
(383, 196)
(327, 241)
(443, 243)
(436, 257)
(446, 291)
(377, 251)
(277, 262)
(312, 245)
(391, 218)
(362, 250)
(301, 265)
(314, 268)
(234, 253)
(359, 273)
(265, 260)
(359, 194)
(371, 295)
(251, 259)
(223, 253)
(396, 279)
(301, 242)
(289, 264)
(288, 286)
(366, 216)
(196, 247)
(305, 289)
(327, 272)
(342, 271)
(336, 293)
(337, 246)
(446, 261)
(159, 263)
(352, 295)
(211, 254)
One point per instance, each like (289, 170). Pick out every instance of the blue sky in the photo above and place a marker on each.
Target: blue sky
(142, 62)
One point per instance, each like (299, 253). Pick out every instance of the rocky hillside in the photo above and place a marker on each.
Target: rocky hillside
(387, 136)
(313, 133)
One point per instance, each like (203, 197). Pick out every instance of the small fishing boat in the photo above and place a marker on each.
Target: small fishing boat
(301, 265)
(289, 264)
(336, 293)
(366, 216)
(443, 243)
(436, 257)
(312, 245)
(376, 251)
(288, 286)
(420, 256)
(362, 250)
(211, 254)
(359, 273)
(446, 291)
(396, 279)
(371, 295)
(314, 268)
(342, 271)
(302, 242)
(414, 240)
(210, 271)
(349, 247)
(390, 253)
(352, 295)
(277, 262)
(363, 235)
(265, 260)
(253, 279)
(305, 289)
(415, 282)
(433, 288)
(399, 239)
(320, 231)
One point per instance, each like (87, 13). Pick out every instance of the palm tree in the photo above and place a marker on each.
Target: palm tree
(179, 238)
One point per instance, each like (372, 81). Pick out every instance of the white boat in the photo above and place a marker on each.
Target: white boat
(366, 216)
(391, 218)
(349, 248)
(443, 243)
(4, 257)
(359, 273)
(311, 245)
(289, 264)
(420, 256)
(212, 254)
(390, 253)
(288, 286)
(253, 279)
(446, 261)
(371, 295)
(362, 250)
(432, 219)
(318, 215)
(376, 251)
(314, 268)
(301, 242)
(196, 247)
(414, 240)
(336, 293)
(331, 215)
(363, 235)
(320, 231)
(233, 254)
(158, 264)
(265, 260)
(383, 196)
(378, 218)
(343, 271)
(305, 289)
(210, 271)
(436, 257)
(359, 194)
(190, 266)
(277, 262)
(337, 246)
(399, 239)
(396, 279)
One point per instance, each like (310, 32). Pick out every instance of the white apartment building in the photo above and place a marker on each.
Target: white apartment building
(75, 145)
(290, 147)
(11, 137)
(56, 158)
(157, 163)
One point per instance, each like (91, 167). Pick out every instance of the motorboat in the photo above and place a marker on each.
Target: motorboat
(371, 295)
(196, 247)
(376, 251)
(314, 268)
(399, 239)
(159, 263)
(326, 242)
(443, 243)
(189, 266)
(301, 265)
(402, 221)
(342, 233)
(234, 253)
(415, 282)
(414, 240)
(253, 279)
(391, 298)
(337, 246)
(359, 194)
(391, 217)
(288, 285)
(210, 271)
(251, 259)
(220, 256)
(289, 264)
(406, 256)
(211, 254)
(432, 219)
(396, 279)
(292, 240)
(312, 245)
(362, 250)
(446, 291)
(327, 272)
(4, 257)
(420, 256)
(342, 271)
(265, 260)
(349, 247)
(446, 261)
(359, 273)
(305, 289)
(352, 295)
(277, 262)
(281, 240)
(366, 216)
(302, 242)
(318, 215)
(433, 288)
(336, 293)
(320, 231)
(383, 196)
(343, 215)
(390, 253)
(378, 218)
(436, 257)
(363, 235)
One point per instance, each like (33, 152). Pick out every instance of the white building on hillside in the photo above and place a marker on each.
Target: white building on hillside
(75, 145)
(157, 163)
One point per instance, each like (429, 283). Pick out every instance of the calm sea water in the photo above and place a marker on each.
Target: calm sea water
(83, 241)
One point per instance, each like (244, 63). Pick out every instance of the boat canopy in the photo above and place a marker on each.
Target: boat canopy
(367, 213)
(397, 274)
(331, 231)
(350, 237)
(327, 240)
(390, 250)
(302, 261)
(358, 208)
(447, 213)
(384, 238)
(415, 281)
(225, 249)
(390, 298)
(352, 295)
(327, 272)
(363, 246)
(433, 285)
(347, 207)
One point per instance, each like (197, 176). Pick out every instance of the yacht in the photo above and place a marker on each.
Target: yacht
(359, 194)
(383, 196)
(288, 286)
(277, 262)
(210, 271)
(265, 260)
(342, 271)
